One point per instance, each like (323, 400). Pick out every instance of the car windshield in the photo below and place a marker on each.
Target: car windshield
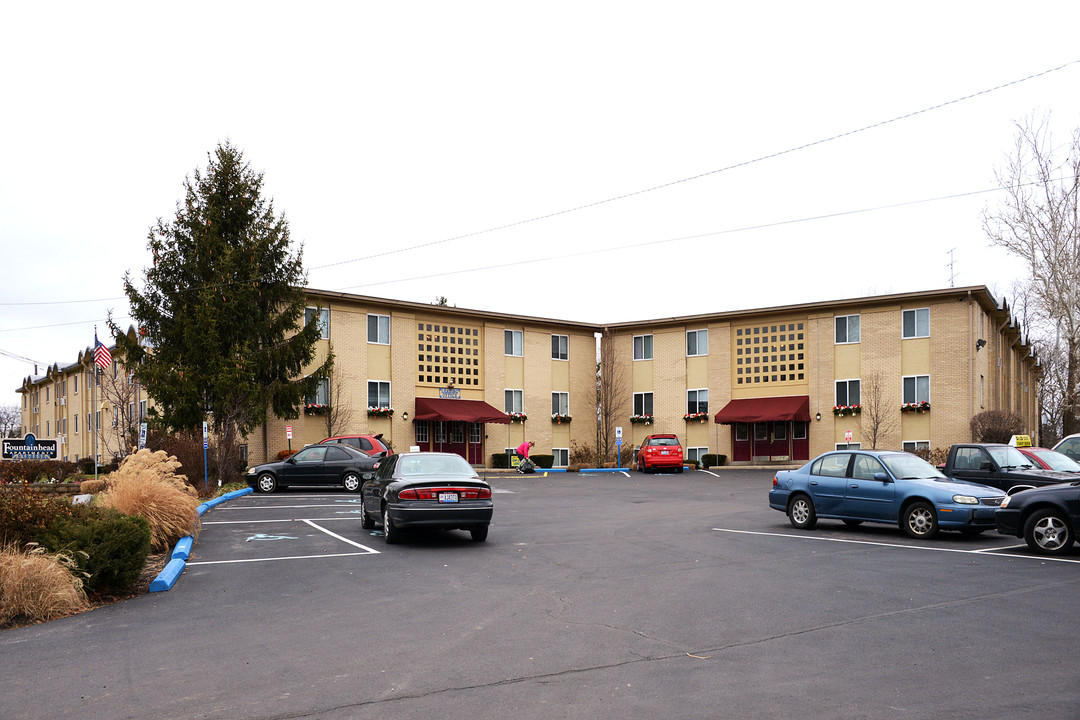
(908, 467)
(1057, 461)
(411, 465)
(1008, 457)
(663, 441)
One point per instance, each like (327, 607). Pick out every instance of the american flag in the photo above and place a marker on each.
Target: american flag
(102, 356)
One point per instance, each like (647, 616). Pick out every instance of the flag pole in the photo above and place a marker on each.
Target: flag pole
(93, 400)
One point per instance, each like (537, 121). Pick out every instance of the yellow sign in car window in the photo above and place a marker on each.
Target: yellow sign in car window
(1020, 441)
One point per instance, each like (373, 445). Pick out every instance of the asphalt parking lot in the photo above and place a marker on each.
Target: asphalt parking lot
(601, 596)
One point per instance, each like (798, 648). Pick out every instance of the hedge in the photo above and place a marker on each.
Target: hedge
(109, 546)
(711, 460)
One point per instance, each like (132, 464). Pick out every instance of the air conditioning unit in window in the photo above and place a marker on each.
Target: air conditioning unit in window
(63, 401)
(35, 409)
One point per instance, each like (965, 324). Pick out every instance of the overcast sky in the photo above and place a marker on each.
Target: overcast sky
(591, 161)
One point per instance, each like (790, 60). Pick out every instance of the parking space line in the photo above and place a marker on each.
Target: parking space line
(289, 557)
(342, 539)
(994, 552)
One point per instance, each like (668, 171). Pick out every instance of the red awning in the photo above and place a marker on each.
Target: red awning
(793, 407)
(475, 411)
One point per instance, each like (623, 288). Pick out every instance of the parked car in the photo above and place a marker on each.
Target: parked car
(886, 487)
(1070, 445)
(373, 445)
(426, 490)
(1047, 517)
(660, 451)
(1050, 459)
(314, 465)
(997, 465)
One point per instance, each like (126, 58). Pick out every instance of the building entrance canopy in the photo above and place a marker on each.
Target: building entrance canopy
(750, 410)
(474, 411)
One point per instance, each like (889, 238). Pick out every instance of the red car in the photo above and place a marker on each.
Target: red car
(1050, 459)
(373, 445)
(660, 451)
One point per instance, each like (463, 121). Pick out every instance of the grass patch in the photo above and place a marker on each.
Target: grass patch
(36, 585)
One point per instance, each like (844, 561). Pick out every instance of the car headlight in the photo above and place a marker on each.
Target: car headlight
(251, 471)
(1005, 502)
(965, 500)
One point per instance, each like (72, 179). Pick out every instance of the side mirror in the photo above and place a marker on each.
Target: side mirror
(291, 460)
(368, 476)
(986, 465)
(881, 477)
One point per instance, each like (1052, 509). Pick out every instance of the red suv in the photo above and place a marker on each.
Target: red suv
(660, 451)
(373, 445)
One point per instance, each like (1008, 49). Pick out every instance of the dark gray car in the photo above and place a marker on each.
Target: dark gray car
(338, 465)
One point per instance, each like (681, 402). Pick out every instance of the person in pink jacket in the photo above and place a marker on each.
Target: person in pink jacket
(522, 452)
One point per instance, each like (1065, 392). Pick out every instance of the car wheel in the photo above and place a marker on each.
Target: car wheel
(680, 469)
(1047, 532)
(919, 520)
(479, 533)
(644, 467)
(351, 482)
(266, 483)
(801, 513)
(366, 521)
(393, 535)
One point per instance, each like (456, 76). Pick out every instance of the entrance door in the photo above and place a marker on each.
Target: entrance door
(741, 444)
(800, 440)
(762, 442)
(476, 444)
(779, 448)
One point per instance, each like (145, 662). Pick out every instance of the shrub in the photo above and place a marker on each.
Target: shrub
(32, 471)
(147, 485)
(996, 426)
(25, 514)
(89, 487)
(284, 455)
(543, 461)
(711, 460)
(500, 460)
(935, 457)
(38, 585)
(108, 546)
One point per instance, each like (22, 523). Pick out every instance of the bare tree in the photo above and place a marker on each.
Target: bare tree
(880, 416)
(611, 396)
(10, 420)
(119, 389)
(339, 415)
(1039, 221)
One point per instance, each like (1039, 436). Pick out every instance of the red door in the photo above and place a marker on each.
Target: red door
(800, 440)
(779, 449)
(741, 445)
(762, 442)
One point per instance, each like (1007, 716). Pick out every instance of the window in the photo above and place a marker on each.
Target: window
(514, 401)
(560, 403)
(831, 465)
(847, 329)
(697, 342)
(440, 431)
(697, 401)
(323, 320)
(421, 428)
(696, 453)
(378, 329)
(378, 393)
(643, 403)
(742, 432)
(848, 446)
(916, 389)
(798, 429)
(917, 323)
(475, 436)
(512, 342)
(75, 379)
(457, 432)
(321, 396)
(562, 457)
(847, 392)
(142, 411)
(560, 347)
(76, 424)
(916, 446)
(643, 347)
(866, 467)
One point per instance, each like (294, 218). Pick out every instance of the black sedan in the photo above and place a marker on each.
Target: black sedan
(1047, 517)
(314, 465)
(426, 490)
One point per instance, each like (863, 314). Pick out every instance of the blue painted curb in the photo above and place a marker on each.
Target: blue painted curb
(182, 551)
(168, 576)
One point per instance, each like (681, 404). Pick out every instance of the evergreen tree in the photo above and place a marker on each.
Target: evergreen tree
(222, 336)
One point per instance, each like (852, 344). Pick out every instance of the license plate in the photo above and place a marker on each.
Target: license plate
(448, 497)
(663, 452)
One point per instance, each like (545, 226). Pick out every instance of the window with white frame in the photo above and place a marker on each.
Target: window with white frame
(848, 392)
(560, 403)
(323, 320)
(378, 393)
(321, 396)
(798, 429)
(76, 424)
(475, 436)
(562, 457)
(378, 329)
(916, 389)
(916, 446)
(848, 446)
(512, 342)
(643, 403)
(142, 410)
(697, 401)
(643, 347)
(742, 432)
(440, 431)
(514, 401)
(916, 323)
(697, 342)
(560, 347)
(457, 432)
(847, 329)
(696, 453)
(421, 428)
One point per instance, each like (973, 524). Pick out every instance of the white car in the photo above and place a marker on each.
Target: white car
(1069, 445)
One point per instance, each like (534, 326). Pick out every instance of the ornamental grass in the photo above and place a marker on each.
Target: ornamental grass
(148, 484)
(36, 585)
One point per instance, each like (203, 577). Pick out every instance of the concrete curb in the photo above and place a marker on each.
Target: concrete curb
(175, 567)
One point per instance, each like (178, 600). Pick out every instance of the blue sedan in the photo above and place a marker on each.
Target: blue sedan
(888, 487)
